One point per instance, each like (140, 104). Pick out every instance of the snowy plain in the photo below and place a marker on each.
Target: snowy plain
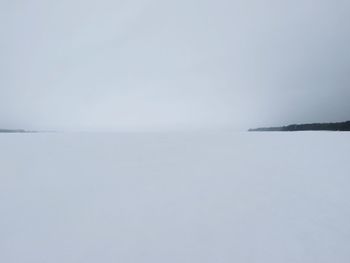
(175, 197)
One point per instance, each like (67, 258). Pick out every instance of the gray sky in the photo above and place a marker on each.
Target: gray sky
(152, 64)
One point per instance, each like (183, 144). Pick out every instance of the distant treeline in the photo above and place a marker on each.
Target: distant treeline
(11, 131)
(336, 126)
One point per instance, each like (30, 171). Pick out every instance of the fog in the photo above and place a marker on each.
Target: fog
(185, 64)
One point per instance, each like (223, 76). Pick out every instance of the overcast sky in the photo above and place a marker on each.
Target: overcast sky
(184, 64)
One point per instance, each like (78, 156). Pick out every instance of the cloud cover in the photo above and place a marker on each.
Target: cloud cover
(151, 64)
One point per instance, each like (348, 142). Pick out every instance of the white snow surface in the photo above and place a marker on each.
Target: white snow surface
(175, 197)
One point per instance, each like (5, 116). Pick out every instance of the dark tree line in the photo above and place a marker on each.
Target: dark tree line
(11, 131)
(335, 126)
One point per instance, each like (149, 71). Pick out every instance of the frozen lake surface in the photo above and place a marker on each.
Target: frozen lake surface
(175, 197)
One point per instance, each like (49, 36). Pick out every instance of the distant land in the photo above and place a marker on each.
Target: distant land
(16, 131)
(12, 131)
(332, 126)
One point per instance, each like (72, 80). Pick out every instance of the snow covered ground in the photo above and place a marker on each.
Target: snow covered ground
(175, 197)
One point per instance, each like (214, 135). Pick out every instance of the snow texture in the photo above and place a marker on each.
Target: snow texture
(175, 197)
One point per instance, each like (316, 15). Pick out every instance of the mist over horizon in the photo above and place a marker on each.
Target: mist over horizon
(173, 65)
(151, 131)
